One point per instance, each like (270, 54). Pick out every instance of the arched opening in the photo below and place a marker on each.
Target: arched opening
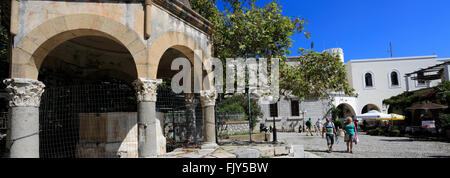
(181, 114)
(370, 107)
(395, 82)
(89, 106)
(345, 110)
(368, 80)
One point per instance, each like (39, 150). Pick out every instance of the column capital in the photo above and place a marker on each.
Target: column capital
(208, 97)
(146, 89)
(24, 92)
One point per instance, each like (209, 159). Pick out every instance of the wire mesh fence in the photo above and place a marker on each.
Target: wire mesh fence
(3, 132)
(88, 121)
(182, 118)
(100, 121)
(3, 121)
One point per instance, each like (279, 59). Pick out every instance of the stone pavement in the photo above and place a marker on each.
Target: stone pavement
(371, 147)
(244, 150)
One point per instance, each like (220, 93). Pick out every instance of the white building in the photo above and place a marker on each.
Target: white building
(377, 79)
(373, 80)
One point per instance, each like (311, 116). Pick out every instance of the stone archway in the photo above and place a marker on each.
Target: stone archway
(88, 98)
(347, 110)
(370, 107)
(29, 54)
(182, 45)
(31, 50)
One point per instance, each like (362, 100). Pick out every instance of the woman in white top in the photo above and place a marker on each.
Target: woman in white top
(319, 127)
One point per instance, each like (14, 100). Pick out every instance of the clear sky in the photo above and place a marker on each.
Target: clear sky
(364, 28)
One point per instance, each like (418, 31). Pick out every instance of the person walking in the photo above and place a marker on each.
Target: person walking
(308, 127)
(350, 134)
(318, 127)
(330, 132)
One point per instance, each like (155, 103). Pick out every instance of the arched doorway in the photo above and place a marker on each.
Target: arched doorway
(370, 107)
(180, 113)
(345, 110)
(89, 106)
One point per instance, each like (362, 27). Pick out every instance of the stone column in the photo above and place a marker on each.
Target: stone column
(25, 98)
(447, 72)
(191, 119)
(150, 139)
(208, 98)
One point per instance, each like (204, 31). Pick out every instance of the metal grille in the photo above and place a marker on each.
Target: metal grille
(3, 131)
(3, 121)
(88, 121)
(182, 125)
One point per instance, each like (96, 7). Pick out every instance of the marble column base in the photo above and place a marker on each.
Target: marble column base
(209, 146)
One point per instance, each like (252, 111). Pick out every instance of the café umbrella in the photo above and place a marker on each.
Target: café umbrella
(381, 116)
(374, 114)
(393, 117)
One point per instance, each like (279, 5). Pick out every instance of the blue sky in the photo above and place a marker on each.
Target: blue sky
(364, 28)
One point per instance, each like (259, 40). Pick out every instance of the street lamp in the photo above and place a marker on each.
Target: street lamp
(249, 112)
(303, 119)
(275, 141)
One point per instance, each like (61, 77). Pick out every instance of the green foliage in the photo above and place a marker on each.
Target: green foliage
(4, 42)
(444, 120)
(390, 131)
(439, 94)
(247, 30)
(376, 132)
(315, 76)
(336, 112)
(338, 123)
(226, 136)
(394, 133)
(239, 104)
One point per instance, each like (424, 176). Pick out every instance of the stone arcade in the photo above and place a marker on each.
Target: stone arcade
(135, 41)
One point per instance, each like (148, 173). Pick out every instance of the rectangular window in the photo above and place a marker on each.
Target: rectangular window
(274, 110)
(295, 108)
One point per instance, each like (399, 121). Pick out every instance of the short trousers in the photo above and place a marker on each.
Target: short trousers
(330, 139)
(348, 138)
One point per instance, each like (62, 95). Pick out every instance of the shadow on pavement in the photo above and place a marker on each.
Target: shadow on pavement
(398, 140)
(324, 151)
(439, 156)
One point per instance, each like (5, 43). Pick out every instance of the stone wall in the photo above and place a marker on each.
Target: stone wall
(233, 127)
(282, 124)
(112, 135)
(108, 135)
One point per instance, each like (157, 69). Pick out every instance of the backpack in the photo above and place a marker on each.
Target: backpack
(308, 123)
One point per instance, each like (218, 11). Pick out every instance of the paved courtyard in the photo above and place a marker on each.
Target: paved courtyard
(371, 147)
